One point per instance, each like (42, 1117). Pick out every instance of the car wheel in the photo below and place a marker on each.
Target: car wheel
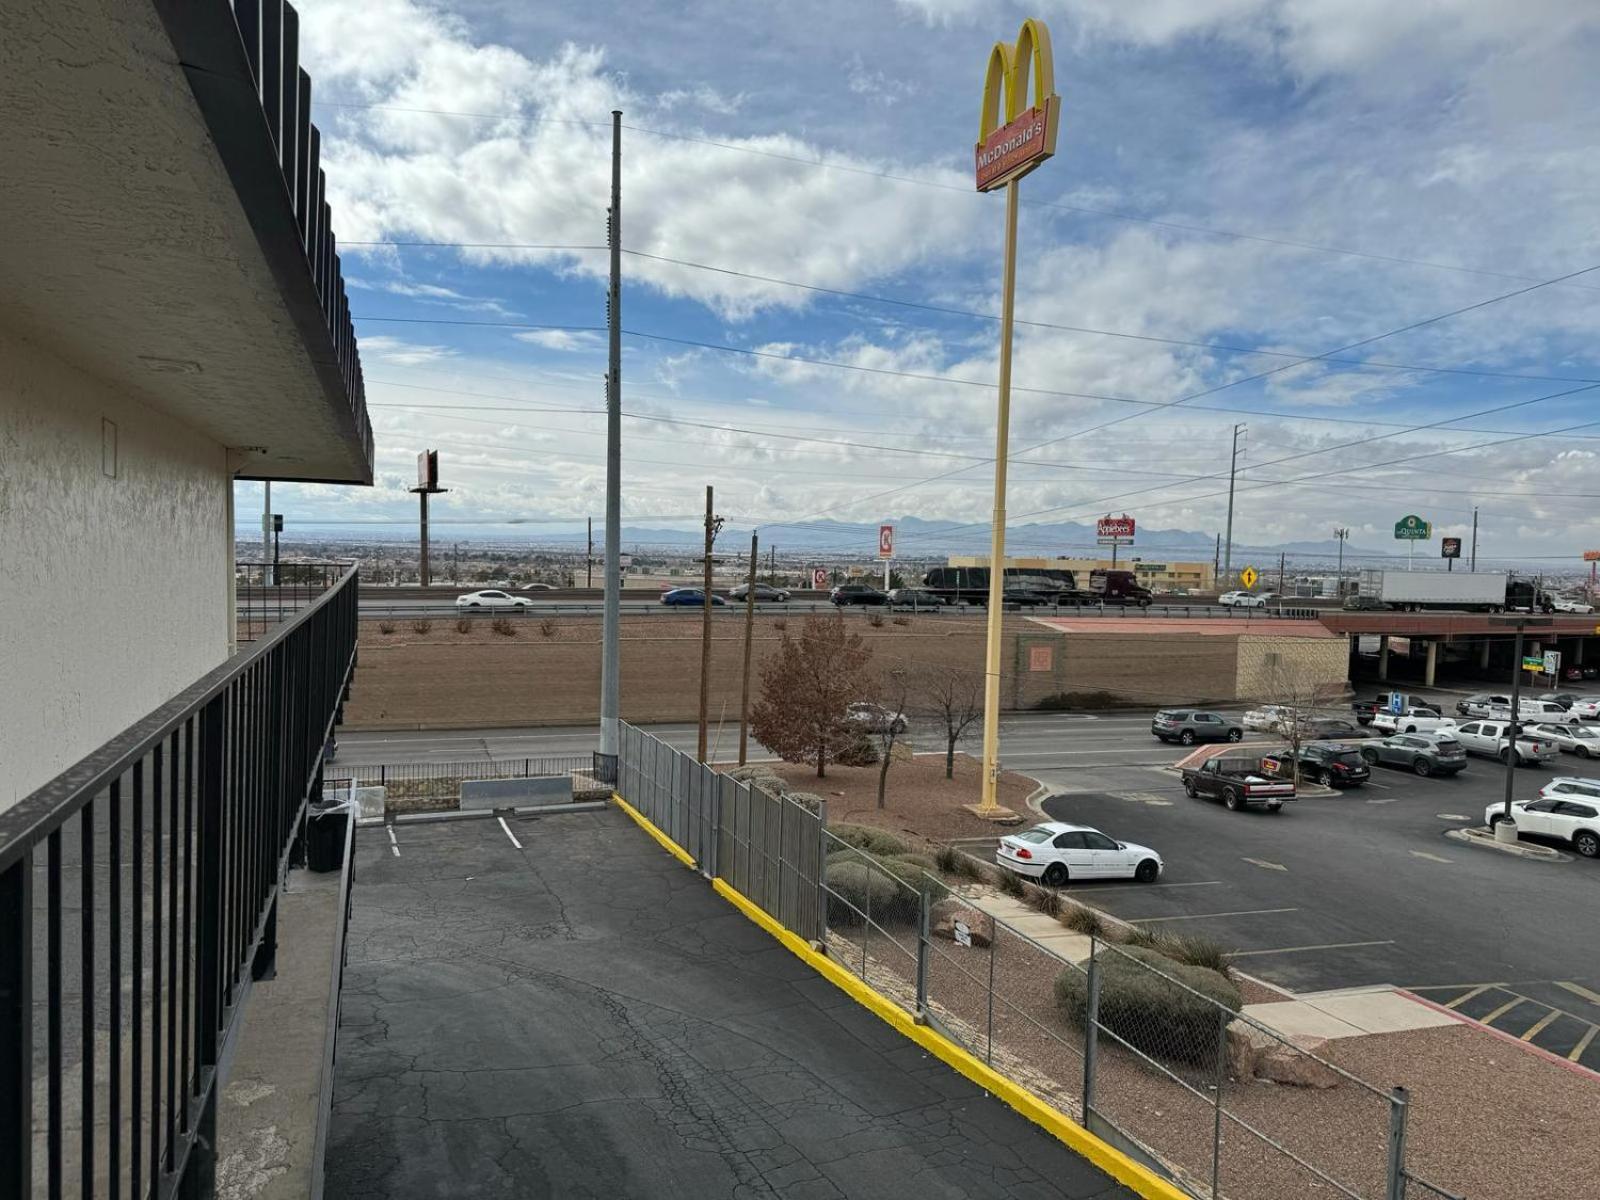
(1584, 752)
(1055, 875)
(1496, 819)
(1325, 778)
(1587, 844)
(1189, 789)
(1411, 729)
(1146, 871)
(1232, 799)
(1422, 766)
(1504, 754)
(1187, 737)
(1235, 735)
(1370, 757)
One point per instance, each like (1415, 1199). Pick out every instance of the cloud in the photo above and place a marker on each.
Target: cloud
(383, 348)
(560, 339)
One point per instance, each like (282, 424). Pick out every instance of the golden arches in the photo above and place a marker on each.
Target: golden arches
(1009, 70)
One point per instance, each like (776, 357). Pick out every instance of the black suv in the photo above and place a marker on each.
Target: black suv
(1188, 725)
(1331, 766)
(857, 593)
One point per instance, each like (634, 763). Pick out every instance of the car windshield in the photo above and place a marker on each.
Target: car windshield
(1037, 834)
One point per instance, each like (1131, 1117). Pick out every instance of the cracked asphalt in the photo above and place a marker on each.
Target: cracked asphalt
(586, 1018)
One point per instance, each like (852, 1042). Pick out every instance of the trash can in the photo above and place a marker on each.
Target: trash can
(325, 834)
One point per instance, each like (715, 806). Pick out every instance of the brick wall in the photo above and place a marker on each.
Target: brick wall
(1319, 663)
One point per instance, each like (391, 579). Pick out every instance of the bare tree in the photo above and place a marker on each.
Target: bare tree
(888, 721)
(952, 696)
(807, 688)
(1300, 695)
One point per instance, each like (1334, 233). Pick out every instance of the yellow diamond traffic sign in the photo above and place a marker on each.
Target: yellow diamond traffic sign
(1248, 577)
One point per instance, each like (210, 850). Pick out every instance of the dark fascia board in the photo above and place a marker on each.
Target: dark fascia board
(212, 54)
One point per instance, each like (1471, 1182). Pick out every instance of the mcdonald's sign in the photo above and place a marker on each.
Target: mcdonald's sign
(1013, 141)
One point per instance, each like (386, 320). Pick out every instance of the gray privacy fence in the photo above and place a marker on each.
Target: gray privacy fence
(1144, 1060)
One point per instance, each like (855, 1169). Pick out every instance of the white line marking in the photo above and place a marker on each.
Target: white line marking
(1385, 800)
(1452, 816)
(509, 834)
(1271, 866)
(393, 844)
(1144, 887)
(1298, 949)
(1430, 857)
(1248, 912)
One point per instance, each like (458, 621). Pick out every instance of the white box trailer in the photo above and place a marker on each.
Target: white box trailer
(1481, 591)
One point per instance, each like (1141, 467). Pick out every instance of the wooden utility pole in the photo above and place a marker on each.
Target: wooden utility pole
(588, 568)
(749, 634)
(713, 523)
(1280, 576)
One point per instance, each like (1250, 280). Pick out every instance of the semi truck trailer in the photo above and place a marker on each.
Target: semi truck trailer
(1411, 591)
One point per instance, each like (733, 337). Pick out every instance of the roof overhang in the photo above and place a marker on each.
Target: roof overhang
(165, 225)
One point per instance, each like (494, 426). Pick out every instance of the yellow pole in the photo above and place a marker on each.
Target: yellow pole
(997, 538)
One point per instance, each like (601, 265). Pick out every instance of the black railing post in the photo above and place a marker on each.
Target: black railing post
(208, 898)
(16, 1029)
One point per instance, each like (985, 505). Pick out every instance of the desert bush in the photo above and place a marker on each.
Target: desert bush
(902, 620)
(1154, 1012)
(908, 867)
(1083, 920)
(780, 623)
(385, 626)
(875, 619)
(1045, 900)
(860, 753)
(1199, 951)
(1141, 938)
(951, 861)
(503, 626)
(422, 626)
(463, 625)
(548, 626)
(858, 887)
(865, 837)
(809, 801)
(1011, 884)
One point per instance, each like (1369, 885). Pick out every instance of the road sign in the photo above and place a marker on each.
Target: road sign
(1552, 663)
(885, 541)
(1248, 577)
(1412, 529)
(1397, 703)
(1449, 547)
(1532, 662)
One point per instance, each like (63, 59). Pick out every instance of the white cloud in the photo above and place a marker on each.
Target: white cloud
(383, 348)
(560, 339)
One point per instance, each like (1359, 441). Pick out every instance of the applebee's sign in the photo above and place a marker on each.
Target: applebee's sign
(1115, 527)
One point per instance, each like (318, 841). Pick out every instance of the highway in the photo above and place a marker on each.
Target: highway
(375, 604)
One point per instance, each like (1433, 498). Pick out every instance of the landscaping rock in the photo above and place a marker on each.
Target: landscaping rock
(942, 918)
(1288, 1065)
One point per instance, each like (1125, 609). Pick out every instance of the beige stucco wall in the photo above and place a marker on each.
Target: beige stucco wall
(113, 591)
(1319, 664)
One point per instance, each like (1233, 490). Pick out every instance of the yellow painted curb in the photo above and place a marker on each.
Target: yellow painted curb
(649, 826)
(1113, 1162)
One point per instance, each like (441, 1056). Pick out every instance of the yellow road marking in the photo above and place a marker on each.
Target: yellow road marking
(1463, 998)
(1539, 1025)
(1583, 1044)
(1577, 989)
(1503, 1009)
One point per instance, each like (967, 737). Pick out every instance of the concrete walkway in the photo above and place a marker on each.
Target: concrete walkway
(580, 1016)
(1353, 1012)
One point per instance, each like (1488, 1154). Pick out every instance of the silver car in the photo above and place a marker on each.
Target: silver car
(1423, 753)
(1582, 740)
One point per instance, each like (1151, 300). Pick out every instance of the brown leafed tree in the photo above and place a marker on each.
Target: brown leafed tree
(807, 688)
(951, 697)
(889, 694)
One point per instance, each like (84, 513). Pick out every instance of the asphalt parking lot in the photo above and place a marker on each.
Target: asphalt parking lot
(1362, 888)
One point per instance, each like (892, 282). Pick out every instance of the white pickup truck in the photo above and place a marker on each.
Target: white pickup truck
(1413, 720)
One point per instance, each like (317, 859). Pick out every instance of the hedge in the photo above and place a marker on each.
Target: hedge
(1151, 1013)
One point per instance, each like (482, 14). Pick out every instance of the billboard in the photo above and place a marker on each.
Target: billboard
(1413, 528)
(1449, 547)
(1114, 529)
(428, 470)
(885, 541)
(1012, 140)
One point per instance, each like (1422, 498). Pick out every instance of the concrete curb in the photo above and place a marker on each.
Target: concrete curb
(1482, 838)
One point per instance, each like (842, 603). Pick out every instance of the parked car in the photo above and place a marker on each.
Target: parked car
(875, 718)
(1056, 852)
(1188, 726)
(1587, 707)
(689, 598)
(857, 593)
(1267, 718)
(1424, 753)
(1493, 739)
(492, 598)
(1582, 740)
(906, 597)
(1333, 729)
(1574, 821)
(1564, 604)
(1530, 709)
(765, 592)
(1413, 720)
(1238, 783)
(1331, 765)
(1365, 710)
(1565, 699)
(1571, 787)
(1482, 704)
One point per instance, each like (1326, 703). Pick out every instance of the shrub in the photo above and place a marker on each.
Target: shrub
(950, 861)
(548, 626)
(1011, 884)
(859, 753)
(385, 626)
(1045, 900)
(875, 619)
(503, 626)
(1199, 951)
(421, 626)
(865, 837)
(1083, 920)
(780, 623)
(902, 620)
(1150, 1011)
(809, 801)
(909, 866)
(863, 888)
(1141, 938)
(463, 625)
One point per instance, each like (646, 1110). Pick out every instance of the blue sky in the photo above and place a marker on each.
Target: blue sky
(1283, 177)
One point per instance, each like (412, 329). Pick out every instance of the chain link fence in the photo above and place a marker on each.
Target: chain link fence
(439, 783)
(1152, 1056)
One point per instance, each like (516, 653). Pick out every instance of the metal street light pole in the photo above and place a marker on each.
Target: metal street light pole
(611, 618)
(1513, 726)
(1233, 471)
(1343, 535)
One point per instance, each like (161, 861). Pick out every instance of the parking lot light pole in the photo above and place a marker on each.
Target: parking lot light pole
(1521, 623)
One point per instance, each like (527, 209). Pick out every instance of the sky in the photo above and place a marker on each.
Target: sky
(1267, 212)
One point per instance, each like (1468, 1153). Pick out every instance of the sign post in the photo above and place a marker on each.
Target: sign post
(886, 550)
(1011, 142)
(427, 485)
(1450, 550)
(1411, 530)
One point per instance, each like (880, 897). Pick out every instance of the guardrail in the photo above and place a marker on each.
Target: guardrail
(174, 836)
(377, 609)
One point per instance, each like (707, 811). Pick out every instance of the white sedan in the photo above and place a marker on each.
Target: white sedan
(1269, 718)
(491, 598)
(1056, 852)
(1564, 605)
(1582, 740)
(1586, 706)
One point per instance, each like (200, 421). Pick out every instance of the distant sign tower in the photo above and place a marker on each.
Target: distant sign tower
(427, 485)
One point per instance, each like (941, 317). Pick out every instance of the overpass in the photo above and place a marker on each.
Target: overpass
(1470, 646)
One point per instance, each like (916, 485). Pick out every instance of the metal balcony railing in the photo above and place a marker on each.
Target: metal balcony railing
(138, 890)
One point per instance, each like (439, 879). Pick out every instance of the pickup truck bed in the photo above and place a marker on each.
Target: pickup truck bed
(1238, 783)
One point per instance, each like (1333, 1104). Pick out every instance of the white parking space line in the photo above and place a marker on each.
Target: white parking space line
(1430, 857)
(394, 844)
(1261, 862)
(1143, 887)
(1303, 949)
(509, 834)
(1247, 912)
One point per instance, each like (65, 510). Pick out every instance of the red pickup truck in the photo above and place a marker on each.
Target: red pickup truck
(1238, 783)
